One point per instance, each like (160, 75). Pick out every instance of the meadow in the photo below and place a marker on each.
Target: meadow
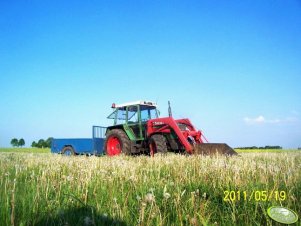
(25, 150)
(46, 189)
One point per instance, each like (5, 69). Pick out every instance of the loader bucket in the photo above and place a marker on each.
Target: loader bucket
(214, 148)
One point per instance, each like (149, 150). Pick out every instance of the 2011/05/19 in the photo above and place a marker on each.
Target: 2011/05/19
(232, 196)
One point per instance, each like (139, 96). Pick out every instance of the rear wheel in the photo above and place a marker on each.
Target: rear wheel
(117, 142)
(157, 144)
(68, 151)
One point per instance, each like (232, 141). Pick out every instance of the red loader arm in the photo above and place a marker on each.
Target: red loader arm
(187, 132)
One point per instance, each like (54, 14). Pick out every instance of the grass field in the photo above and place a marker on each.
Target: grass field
(26, 150)
(46, 189)
(265, 150)
(47, 150)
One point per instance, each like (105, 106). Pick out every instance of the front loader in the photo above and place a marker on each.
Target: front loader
(139, 129)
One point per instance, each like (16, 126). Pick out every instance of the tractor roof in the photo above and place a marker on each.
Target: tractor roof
(139, 102)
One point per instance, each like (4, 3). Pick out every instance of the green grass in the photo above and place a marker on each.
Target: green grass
(265, 150)
(47, 150)
(47, 189)
(26, 150)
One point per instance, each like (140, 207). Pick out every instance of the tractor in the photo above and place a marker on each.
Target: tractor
(137, 128)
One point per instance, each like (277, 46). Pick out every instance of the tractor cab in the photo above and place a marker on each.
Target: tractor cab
(132, 117)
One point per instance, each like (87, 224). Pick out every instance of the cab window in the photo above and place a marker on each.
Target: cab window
(148, 113)
(132, 114)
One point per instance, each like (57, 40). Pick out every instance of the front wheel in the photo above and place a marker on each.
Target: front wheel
(157, 144)
(117, 142)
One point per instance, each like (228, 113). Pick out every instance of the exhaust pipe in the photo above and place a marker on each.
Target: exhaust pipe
(169, 110)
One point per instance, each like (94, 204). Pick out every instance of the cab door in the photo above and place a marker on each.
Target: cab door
(133, 122)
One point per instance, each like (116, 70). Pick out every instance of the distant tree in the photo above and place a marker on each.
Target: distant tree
(14, 142)
(34, 144)
(41, 143)
(272, 147)
(48, 142)
(21, 142)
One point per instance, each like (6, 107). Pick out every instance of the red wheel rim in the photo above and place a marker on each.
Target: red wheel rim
(113, 146)
(152, 148)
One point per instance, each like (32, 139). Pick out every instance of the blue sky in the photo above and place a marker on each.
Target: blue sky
(232, 67)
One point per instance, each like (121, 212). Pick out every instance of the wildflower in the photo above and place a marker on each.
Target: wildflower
(138, 197)
(166, 195)
(149, 197)
(204, 195)
(151, 190)
(193, 221)
(153, 215)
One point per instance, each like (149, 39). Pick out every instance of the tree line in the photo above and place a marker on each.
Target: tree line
(40, 144)
(17, 142)
(265, 147)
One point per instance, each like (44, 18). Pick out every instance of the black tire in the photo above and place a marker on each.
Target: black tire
(68, 151)
(157, 142)
(123, 139)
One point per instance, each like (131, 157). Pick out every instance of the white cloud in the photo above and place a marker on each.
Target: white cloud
(262, 120)
(258, 120)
